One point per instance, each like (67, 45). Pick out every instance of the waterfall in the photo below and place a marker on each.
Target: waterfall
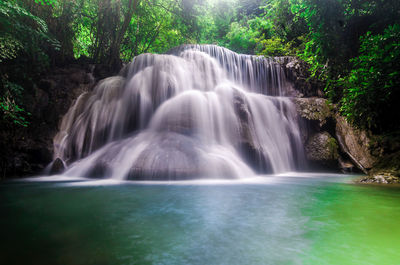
(199, 111)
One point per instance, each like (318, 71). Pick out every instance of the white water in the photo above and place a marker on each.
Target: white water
(198, 112)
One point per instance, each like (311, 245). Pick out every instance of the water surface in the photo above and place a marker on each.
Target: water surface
(287, 219)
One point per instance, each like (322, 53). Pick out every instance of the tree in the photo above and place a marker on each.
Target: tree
(372, 88)
(22, 35)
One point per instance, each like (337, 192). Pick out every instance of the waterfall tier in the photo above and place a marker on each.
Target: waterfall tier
(200, 111)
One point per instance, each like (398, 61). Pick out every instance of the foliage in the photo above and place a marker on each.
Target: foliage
(153, 26)
(274, 47)
(373, 86)
(157, 27)
(327, 34)
(9, 47)
(46, 2)
(21, 30)
(9, 108)
(286, 24)
(241, 38)
(23, 40)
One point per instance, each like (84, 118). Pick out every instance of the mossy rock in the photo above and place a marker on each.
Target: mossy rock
(323, 149)
(381, 178)
(314, 109)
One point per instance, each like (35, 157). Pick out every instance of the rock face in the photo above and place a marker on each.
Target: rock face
(322, 149)
(318, 129)
(331, 142)
(297, 72)
(316, 115)
(27, 151)
(57, 166)
(355, 143)
(315, 109)
(355, 146)
(246, 144)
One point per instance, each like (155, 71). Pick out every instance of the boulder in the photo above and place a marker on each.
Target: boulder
(322, 150)
(297, 72)
(246, 146)
(314, 109)
(57, 166)
(355, 143)
(316, 115)
(171, 156)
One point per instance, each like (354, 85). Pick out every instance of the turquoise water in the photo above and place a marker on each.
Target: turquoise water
(300, 219)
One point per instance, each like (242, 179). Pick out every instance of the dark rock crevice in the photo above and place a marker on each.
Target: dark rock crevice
(27, 151)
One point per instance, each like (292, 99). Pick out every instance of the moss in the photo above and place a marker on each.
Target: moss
(314, 109)
(333, 147)
(322, 147)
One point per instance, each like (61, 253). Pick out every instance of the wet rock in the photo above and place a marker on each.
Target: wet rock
(241, 108)
(49, 99)
(99, 171)
(15, 166)
(177, 157)
(124, 70)
(314, 109)
(346, 166)
(253, 157)
(57, 166)
(322, 150)
(381, 178)
(316, 115)
(355, 143)
(297, 72)
(182, 123)
(246, 146)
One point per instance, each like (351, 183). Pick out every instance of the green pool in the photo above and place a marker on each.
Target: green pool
(289, 219)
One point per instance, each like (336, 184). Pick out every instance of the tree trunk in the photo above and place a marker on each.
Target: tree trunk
(114, 60)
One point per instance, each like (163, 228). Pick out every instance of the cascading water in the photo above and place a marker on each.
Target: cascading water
(200, 111)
